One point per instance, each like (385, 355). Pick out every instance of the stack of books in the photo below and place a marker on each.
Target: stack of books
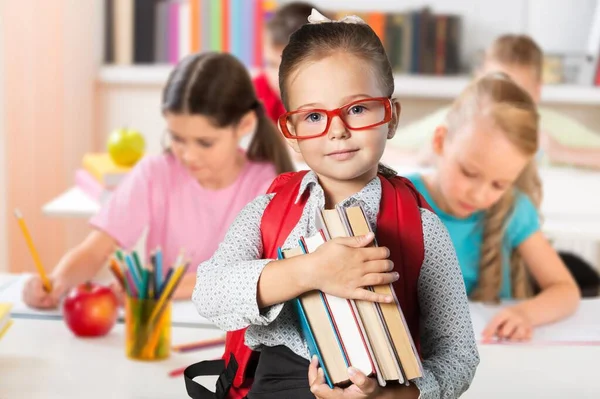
(372, 337)
(99, 175)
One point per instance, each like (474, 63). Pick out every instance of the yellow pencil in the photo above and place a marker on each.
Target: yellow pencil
(166, 293)
(34, 253)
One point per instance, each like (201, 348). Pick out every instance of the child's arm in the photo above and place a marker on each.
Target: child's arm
(226, 284)
(186, 287)
(559, 296)
(448, 345)
(75, 267)
(236, 288)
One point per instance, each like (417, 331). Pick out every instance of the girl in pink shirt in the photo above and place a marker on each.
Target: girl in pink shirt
(188, 196)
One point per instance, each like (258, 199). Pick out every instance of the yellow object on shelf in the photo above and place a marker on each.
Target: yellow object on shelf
(104, 169)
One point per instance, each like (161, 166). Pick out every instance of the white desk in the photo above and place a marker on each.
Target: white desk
(43, 359)
(555, 372)
(72, 203)
(183, 313)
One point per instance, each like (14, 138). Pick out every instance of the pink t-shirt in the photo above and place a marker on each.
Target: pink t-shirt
(162, 195)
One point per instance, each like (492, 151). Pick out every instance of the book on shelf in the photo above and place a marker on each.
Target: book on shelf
(372, 337)
(165, 31)
(160, 31)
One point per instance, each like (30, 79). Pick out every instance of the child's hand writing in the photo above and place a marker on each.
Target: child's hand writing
(362, 386)
(509, 324)
(35, 296)
(343, 266)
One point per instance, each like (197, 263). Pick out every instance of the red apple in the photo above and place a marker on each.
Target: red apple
(90, 310)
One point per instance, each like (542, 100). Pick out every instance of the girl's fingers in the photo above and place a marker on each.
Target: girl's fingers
(508, 329)
(379, 279)
(313, 370)
(492, 328)
(375, 253)
(378, 266)
(370, 296)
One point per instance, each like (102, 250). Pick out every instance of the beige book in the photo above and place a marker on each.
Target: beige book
(392, 313)
(383, 350)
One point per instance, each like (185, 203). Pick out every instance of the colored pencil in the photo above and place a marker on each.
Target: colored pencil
(204, 344)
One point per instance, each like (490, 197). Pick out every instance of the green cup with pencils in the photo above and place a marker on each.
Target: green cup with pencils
(147, 337)
(149, 291)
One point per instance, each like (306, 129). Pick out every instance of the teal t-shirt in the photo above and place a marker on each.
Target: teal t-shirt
(467, 234)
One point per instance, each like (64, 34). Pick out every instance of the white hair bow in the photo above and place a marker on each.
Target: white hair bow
(316, 17)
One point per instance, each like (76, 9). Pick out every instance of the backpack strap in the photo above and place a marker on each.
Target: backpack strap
(283, 212)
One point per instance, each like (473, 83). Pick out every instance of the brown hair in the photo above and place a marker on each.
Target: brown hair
(509, 107)
(316, 41)
(217, 85)
(518, 50)
(287, 19)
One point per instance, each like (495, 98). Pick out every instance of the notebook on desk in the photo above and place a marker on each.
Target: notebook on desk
(582, 328)
(183, 312)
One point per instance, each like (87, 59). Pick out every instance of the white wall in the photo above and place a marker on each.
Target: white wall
(3, 210)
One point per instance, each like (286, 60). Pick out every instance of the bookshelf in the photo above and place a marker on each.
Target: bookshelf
(414, 86)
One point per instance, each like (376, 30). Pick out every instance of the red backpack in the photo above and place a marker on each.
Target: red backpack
(398, 227)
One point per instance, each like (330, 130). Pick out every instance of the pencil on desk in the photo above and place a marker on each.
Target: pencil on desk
(204, 344)
(34, 253)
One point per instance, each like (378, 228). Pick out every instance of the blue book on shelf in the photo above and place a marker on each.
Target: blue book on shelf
(313, 348)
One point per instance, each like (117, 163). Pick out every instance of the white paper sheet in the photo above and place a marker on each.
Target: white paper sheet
(583, 327)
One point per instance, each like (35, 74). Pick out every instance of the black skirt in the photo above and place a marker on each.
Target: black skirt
(280, 373)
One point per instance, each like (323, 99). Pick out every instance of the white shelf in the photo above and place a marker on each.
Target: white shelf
(432, 87)
(150, 75)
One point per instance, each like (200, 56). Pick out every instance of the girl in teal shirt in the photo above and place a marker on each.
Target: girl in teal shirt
(486, 189)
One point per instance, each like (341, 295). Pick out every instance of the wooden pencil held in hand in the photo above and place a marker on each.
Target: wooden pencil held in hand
(400, 205)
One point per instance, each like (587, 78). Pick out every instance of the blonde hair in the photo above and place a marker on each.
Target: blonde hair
(518, 50)
(513, 111)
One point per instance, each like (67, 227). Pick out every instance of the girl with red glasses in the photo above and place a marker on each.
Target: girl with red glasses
(336, 81)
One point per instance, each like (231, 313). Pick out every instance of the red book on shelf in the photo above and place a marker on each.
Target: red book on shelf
(258, 36)
(225, 39)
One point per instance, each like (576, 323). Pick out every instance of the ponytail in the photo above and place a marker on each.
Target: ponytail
(267, 145)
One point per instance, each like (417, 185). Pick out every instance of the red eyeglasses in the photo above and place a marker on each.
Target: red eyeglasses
(358, 115)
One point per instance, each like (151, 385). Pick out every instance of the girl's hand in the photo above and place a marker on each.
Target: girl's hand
(362, 387)
(343, 266)
(509, 324)
(35, 296)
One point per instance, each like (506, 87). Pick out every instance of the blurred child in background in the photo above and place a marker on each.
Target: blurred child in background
(286, 20)
(486, 189)
(187, 196)
(562, 139)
